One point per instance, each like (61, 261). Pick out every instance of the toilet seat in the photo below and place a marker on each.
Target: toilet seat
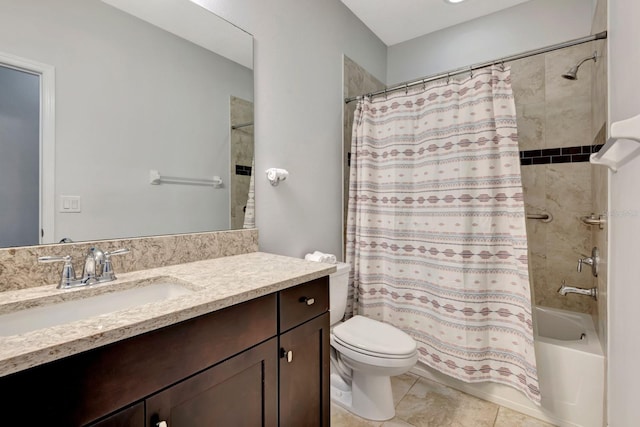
(373, 338)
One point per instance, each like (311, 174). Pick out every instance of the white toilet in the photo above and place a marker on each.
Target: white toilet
(365, 353)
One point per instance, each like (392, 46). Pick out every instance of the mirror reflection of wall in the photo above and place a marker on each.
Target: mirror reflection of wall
(129, 97)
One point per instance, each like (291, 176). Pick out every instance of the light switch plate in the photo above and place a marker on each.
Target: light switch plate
(70, 204)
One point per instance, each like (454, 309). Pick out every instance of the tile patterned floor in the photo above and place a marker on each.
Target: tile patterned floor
(423, 403)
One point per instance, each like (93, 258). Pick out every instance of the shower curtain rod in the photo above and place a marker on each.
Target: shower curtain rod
(471, 68)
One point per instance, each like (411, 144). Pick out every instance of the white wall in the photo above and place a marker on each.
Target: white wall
(624, 283)
(129, 98)
(527, 26)
(298, 113)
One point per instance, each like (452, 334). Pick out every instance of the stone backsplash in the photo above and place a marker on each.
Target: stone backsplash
(19, 266)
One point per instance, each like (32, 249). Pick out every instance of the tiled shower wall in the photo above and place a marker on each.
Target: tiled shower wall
(357, 81)
(242, 148)
(555, 113)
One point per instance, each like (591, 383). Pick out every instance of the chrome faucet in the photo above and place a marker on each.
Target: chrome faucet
(93, 263)
(97, 268)
(564, 290)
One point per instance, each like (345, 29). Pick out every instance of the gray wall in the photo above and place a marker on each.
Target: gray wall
(129, 98)
(529, 25)
(298, 105)
(19, 158)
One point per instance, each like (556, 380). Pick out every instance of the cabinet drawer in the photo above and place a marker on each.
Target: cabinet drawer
(303, 302)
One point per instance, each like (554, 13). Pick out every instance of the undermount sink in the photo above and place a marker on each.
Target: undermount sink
(59, 313)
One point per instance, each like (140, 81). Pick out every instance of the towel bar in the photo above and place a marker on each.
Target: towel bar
(545, 217)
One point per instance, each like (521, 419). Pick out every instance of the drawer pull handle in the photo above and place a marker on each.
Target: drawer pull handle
(307, 300)
(287, 354)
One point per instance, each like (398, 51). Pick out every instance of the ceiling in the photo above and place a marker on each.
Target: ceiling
(395, 21)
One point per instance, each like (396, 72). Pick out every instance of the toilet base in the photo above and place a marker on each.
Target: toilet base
(369, 397)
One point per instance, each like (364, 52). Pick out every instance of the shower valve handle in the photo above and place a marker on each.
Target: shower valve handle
(593, 261)
(586, 260)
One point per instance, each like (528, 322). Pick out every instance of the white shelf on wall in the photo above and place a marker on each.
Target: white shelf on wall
(623, 145)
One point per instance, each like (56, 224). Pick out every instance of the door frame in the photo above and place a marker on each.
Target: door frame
(46, 73)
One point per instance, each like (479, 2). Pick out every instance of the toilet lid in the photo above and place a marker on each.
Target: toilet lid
(368, 335)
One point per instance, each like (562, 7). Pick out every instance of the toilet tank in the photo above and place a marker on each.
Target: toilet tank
(338, 288)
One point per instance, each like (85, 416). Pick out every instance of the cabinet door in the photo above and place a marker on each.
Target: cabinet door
(304, 374)
(132, 416)
(242, 391)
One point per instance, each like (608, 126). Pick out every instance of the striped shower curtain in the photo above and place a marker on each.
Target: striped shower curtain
(436, 227)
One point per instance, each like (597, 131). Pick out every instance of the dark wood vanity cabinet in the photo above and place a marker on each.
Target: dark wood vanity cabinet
(227, 368)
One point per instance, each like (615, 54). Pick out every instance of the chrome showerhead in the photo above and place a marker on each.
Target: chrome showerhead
(572, 74)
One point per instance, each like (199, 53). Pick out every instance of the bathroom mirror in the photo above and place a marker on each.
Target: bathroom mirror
(136, 89)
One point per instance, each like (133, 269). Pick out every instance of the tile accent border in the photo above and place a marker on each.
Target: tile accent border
(19, 268)
(243, 170)
(576, 154)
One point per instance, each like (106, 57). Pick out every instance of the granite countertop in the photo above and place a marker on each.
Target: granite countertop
(215, 284)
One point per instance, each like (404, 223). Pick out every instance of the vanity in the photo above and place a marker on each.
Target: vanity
(246, 344)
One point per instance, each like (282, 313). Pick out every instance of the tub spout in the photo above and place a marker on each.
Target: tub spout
(564, 290)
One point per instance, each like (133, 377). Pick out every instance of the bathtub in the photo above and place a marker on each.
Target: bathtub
(571, 370)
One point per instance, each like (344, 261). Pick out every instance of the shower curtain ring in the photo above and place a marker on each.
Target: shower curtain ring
(385, 94)
(471, 71)
(424, 84)
(448, 78)
(502, 65)
(406, 88)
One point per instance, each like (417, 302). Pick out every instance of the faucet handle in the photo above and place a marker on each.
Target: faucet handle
(117, 252)
(107, 271)
(49, 259)
(68, 273)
